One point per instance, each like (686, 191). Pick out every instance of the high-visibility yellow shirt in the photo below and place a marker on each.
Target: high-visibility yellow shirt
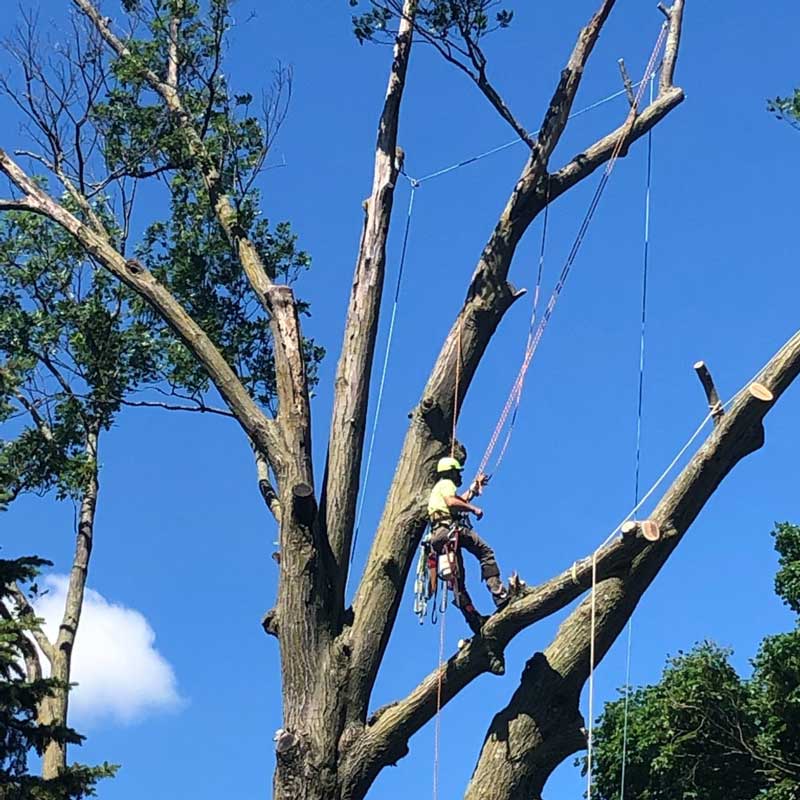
(437, 505)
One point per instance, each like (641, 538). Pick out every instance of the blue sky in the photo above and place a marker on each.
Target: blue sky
(182, 536)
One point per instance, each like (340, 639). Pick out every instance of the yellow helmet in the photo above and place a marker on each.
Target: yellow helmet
(448, 465)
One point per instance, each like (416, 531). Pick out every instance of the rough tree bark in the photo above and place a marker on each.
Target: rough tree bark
(53, 710)
(330, 747)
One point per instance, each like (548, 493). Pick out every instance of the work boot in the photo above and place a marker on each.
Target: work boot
(498, 591)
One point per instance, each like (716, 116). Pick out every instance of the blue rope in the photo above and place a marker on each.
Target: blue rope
(645, 265)
(439, 172)
(384, 370)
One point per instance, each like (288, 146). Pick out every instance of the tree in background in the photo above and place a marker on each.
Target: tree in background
(163, 111)
(23, 690)
(705, 732)
(76, 345)
(787, 108)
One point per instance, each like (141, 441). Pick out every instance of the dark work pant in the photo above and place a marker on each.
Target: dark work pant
(470, 541)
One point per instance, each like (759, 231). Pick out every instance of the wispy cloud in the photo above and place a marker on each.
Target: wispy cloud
(120, 675)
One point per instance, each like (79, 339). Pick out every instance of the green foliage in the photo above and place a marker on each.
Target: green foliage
(74, 343)
(188, 251)
(20, 733)
(448, 21)
(705, 732)
(787, 108)
(787, 581)
(69, 354)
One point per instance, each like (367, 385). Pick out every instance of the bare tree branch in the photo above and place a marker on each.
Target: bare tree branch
(386, 736)
(53, 709)
(673, 43)
(24, 607)
(714, 404)
(33, 664)
(584, 164)
(265, 486)
(200, 408)
(172, 57)
(351, 387)
(132, 274)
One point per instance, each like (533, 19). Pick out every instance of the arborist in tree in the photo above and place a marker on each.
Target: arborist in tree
(448, 512)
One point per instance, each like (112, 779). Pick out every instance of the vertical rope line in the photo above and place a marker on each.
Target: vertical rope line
(437, 723)
(381, 385)
(645, 265)
(591, 678)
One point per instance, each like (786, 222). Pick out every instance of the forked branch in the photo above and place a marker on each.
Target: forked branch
(488, 298)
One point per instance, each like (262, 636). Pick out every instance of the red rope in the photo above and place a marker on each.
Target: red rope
(533, 341)
(437, 725)
(455, 390)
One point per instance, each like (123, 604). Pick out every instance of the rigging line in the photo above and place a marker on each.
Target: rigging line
(581, 233)
(536, 293)
(445, 170)
(572, 254)
(645, 265)
(646, 497)
(384, 370)
(729, 402)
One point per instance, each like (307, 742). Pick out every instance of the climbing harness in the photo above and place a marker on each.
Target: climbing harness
(439, 569)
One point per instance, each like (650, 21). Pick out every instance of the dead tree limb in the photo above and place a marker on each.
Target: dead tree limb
(351, 387)
(714, 404)
(24, 607)
(385, 738)
(53, 709)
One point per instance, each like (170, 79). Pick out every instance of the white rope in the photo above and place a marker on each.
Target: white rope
(628, 516)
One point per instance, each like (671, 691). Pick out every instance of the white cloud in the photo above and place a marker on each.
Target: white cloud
(120, 674)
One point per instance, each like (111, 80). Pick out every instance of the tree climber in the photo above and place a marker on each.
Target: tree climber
(445, 507)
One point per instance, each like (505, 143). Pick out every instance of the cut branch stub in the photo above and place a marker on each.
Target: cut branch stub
(648, 528)
(304, 505)
(714, 404)
(760, 392)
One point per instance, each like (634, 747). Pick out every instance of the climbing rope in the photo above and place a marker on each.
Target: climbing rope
(531, 328)
(437, 723)
(456, 386)
(548, 312)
